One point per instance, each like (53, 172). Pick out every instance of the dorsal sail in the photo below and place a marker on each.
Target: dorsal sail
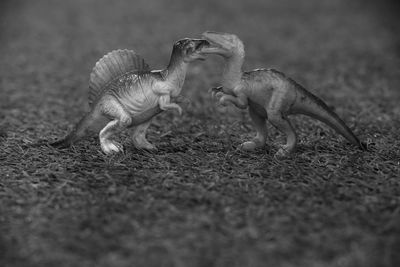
(112, 66)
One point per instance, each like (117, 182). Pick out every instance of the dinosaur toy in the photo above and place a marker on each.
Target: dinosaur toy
(268, 94)
(124, 92)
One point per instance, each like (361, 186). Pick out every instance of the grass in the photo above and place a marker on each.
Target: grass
(199, 201)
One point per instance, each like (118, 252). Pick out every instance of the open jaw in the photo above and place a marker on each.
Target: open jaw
(215, 39)
(200, 44)
(212, 49)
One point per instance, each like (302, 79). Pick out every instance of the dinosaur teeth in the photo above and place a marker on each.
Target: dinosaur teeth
(202, 43)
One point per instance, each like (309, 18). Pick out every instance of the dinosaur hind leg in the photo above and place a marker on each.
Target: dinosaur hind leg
(139, 137)
(283, 124)
(121, 120)
(261, 128)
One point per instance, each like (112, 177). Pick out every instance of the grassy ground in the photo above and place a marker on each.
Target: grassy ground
(199, 201)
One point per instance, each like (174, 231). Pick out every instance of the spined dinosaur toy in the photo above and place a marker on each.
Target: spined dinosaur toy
(124, 92)
(269, 94)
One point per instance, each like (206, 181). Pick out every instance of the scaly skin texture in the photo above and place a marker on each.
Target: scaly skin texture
(268, 94)
(131, 101)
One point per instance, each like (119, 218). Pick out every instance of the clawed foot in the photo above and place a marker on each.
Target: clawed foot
(144, 144)
(248, 146)
(283, 152)
(148, 147)
(251, 145)
(109, 147)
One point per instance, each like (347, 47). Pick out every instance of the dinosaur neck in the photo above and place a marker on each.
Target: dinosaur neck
(232, 73)
(175, 74)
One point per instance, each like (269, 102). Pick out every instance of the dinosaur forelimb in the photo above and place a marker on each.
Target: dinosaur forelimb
(239, 101)
(165, 104)
(215, 90)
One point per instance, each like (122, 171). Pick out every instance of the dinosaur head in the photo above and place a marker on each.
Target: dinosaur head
(190, 49)
(223, 44)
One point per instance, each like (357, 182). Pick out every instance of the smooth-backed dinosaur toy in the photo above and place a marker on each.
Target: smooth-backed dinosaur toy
(124, 92)
(268, 94)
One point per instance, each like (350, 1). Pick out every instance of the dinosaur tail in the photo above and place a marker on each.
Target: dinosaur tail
(310, 105)
(91, 122)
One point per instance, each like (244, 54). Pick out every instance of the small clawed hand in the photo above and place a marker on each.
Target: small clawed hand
(218, 93)
(172, 106)
(215, 90)
(222, 100)
(179, 110)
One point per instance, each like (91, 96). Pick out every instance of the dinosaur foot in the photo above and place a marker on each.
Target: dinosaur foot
(248, 146)
(251, 145)
(283, 152)
(109, 147)
(145, 145)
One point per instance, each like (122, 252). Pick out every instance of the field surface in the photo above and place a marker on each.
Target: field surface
(199, 201)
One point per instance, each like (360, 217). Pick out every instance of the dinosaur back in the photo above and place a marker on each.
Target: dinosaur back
(111, 67)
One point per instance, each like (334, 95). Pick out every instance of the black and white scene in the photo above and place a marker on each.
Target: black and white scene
(187, 133)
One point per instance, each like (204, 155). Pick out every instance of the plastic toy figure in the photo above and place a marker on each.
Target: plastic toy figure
(268, 94)
(124, 92)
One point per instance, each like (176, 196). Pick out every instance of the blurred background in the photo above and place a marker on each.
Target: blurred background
(49, 47)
